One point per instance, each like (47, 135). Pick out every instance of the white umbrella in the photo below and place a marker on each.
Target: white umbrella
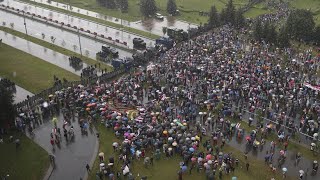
(284, 169)
(125, 170)
(301, 171)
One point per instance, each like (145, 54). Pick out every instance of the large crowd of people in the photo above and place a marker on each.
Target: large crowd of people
(196, 89)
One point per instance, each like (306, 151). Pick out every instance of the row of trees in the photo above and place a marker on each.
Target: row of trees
(123, 5)
(149, 7)
(228, 15)
(299, 26)
(8, 110)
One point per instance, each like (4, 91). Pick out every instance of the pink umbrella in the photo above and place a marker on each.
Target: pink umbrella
(248, 138)
(282, 152)
(126, 134)
(208, 157)
(193, 159)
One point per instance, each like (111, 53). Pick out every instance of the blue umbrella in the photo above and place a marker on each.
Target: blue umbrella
(234, 178)
(184, 168)
(191, 149)
(86, 125)
(132, 150)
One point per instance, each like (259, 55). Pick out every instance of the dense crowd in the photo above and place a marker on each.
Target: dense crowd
(190, 101)
(218, 69)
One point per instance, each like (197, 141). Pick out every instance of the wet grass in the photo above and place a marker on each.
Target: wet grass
(101, 10)
(30, 161)
(168, 168)
(256, 11)
(293, 145)
(55, 48)
(30, 72)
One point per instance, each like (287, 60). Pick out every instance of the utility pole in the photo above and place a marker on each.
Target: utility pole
(25, 24)
(79, 42)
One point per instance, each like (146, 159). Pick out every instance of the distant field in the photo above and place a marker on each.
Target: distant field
(256, 11)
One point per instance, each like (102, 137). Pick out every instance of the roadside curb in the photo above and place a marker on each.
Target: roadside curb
(49, 173)
(94, 155)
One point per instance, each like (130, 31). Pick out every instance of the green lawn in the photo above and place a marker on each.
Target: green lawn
(256, 11)
(29, 162)
(55, 48)
(30, 72)
(168, 168)
(306, 4)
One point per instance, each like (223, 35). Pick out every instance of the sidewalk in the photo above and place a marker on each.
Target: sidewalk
(71, 158)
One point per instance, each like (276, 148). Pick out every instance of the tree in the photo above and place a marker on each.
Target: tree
(102, 2)
(164, 30)
(8, 111)
(271, 37)
(214, 19)
(110, 4)
(300, 24)
(171, 7)
(223, 17)
(230, 12)
(265, 30)
(240, 21)
(316, 35)
(257, 32)
(148, 7)
(283, 38)
(123, 5)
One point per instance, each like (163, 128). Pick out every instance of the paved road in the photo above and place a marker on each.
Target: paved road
(107, 31)
(72, 157)
(65, 39)
(43, 53)
(152, 25)
(21, 94)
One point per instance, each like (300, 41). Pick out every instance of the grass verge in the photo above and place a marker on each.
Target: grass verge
(28, 71)
(29, 161)
(55, 47)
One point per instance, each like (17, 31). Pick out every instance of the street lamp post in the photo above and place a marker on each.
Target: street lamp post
(79, 42)
(25, 24)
